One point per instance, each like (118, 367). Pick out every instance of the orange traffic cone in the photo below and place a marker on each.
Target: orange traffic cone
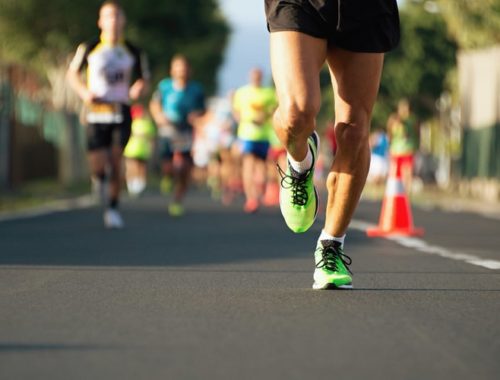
(395, 217)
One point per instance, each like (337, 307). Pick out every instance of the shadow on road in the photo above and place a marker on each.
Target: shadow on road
(207, 234)
(27, 347)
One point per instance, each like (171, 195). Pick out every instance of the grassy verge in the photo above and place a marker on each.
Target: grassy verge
(39, 192)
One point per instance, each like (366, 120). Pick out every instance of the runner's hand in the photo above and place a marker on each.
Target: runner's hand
(167, 130)
(88, 97)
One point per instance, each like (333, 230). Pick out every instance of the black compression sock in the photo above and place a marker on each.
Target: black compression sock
(113, 203)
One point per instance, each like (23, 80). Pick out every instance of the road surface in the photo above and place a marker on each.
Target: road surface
(219, 294)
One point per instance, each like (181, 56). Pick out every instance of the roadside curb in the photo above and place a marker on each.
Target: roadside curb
(430, 200)
(52, 207)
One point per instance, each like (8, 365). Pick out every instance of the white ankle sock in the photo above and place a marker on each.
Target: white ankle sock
(302, 166)
(326, 236)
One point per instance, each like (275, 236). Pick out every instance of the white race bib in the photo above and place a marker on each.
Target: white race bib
(105, 113)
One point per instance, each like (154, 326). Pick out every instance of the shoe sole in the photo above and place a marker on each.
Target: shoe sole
(330, 286)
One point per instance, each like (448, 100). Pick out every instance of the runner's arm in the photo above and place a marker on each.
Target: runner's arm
(200, 109)
(157, 112)
(141, 73)
(74, 78)
(138, 88)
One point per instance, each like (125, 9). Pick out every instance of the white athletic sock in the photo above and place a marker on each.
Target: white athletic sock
(326, 236)
(301, 166)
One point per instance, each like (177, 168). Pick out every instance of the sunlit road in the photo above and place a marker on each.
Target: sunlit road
(222, 295)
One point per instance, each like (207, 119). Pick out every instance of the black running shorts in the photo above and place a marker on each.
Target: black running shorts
(104, 136)
(370, 26)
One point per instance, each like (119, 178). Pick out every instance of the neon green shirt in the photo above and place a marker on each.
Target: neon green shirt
(404, 139)
(255, 106)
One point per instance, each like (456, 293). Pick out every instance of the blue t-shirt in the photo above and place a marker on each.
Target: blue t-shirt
(381, 146)
(177, 104)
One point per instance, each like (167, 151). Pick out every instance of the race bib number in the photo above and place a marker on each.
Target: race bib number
(105, 113)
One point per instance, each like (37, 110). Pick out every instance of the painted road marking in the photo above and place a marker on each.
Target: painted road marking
(424, 247)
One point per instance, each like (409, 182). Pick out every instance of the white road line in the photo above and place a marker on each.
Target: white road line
(424, 247)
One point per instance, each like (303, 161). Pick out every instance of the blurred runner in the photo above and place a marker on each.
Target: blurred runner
(253, 107)
(176, 105)
(351, 37)
(403, 131)
(229, 171)
(214, 138)
(276, 156)
(379, 163)
(116, 73)
(139, 150)
(205, 151)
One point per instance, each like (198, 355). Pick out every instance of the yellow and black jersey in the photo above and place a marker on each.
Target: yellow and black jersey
(110, 68)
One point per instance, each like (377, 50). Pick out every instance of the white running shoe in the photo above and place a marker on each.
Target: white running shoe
(113, 219)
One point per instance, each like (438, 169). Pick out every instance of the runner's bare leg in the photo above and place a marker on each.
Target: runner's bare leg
(356, 79)
(296, 61)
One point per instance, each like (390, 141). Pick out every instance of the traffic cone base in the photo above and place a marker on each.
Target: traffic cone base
(395, 216)
(377, 232)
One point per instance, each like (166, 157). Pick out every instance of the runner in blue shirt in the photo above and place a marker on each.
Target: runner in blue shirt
(176, 105)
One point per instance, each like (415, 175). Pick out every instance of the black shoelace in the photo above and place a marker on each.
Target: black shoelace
(331, 253)
(297, 184)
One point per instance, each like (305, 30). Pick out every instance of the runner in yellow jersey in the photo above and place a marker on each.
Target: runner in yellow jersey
(253, 107)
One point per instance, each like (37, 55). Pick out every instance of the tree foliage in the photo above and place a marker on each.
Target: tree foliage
(419, 67)
(42, 34)
(473, 24)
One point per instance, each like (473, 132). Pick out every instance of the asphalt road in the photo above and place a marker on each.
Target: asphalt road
(222, 295)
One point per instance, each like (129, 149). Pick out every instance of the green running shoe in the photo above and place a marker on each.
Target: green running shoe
(298, 196)
(176, 209)
(332, 270)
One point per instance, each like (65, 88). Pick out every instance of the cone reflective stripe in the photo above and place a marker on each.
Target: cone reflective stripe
(395, 216)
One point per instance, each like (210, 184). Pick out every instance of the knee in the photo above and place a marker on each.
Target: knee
(353, 133)
(331, 181)
(297, 117)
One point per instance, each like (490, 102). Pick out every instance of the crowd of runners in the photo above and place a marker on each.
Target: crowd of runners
(228, 143)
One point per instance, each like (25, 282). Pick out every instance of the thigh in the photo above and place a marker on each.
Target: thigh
(116, 156)
(99, 137)
(356, 80)
(296, 61)
(98, 158)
